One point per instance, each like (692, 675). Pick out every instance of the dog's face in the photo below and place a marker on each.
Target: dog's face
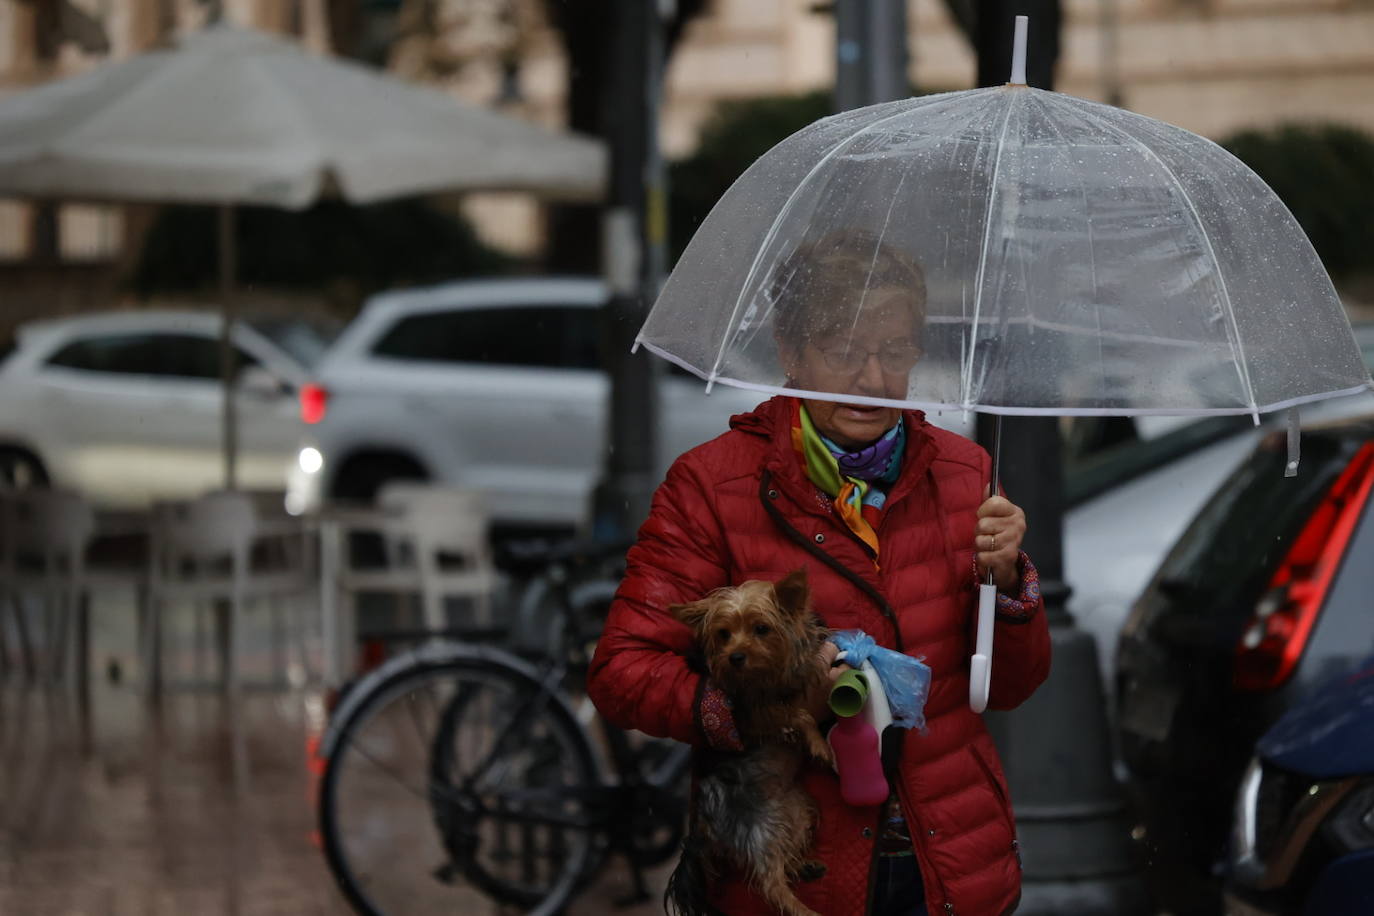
(759, 634)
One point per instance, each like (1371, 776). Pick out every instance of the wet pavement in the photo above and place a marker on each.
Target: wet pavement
(116, 806)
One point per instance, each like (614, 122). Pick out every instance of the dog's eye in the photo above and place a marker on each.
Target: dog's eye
(762, 629)
(722, 634)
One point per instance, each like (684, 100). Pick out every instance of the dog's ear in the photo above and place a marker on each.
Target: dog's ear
(691, 614)
(793, 593)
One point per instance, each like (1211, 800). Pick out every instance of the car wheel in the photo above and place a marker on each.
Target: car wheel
(21, 470)
(362, 476)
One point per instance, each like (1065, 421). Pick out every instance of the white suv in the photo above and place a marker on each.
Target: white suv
(126, 406)
(493, 385)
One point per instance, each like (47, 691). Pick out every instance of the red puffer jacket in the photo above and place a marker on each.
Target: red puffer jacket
(740, 507)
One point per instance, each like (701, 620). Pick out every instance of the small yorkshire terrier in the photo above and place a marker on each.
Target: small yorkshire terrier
(760, 641)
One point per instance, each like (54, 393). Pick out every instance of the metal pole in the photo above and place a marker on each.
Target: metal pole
(228, 259)
(851, 51)
(888, 60)
(996, 485)
(870, 52)
(633, 230)
(655, 169)
(1111, 52)
(1072, 818)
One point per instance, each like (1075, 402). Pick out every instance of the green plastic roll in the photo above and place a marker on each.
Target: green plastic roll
(849, 693)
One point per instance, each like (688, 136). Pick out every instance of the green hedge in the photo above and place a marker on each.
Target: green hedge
(1325, 174)
(737, 133)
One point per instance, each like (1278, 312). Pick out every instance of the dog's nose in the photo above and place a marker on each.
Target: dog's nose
(737, 659)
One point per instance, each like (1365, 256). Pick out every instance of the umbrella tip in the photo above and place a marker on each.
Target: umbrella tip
(1018, 52)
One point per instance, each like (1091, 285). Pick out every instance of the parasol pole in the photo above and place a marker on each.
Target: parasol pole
(980, 663)
(228, 257)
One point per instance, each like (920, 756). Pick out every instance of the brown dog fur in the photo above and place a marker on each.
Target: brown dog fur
(760, 640)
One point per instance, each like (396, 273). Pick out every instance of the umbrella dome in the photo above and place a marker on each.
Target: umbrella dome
(233, 116)
(1076, 259)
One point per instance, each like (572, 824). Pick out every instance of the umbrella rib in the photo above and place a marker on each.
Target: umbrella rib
(966, 382)
(773, 231)
(1233, 330)
(877, 248)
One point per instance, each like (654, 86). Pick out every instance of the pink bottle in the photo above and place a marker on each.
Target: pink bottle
(856, 739)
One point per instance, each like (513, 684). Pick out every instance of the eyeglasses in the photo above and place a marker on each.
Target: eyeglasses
(893, 357)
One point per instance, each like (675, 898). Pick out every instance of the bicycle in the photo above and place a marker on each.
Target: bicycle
(457, 772)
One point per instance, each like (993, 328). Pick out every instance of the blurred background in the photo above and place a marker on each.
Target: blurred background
(1285, 85)
(397, 410)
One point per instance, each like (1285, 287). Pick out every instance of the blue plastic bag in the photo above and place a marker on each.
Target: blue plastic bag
(906, 680)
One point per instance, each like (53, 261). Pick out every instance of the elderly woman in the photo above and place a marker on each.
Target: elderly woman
(890, 517)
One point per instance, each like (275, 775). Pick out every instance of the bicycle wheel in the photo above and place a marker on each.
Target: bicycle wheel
(452, 774)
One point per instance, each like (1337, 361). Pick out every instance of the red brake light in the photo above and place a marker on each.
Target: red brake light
(314, 400)
(1284, 617)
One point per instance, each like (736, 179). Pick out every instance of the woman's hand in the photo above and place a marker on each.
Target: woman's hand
(1000, 530)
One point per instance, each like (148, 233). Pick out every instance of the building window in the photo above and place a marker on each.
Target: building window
(14, 230)
(88, 232)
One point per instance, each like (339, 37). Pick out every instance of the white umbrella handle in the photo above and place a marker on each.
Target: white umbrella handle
(980, 665)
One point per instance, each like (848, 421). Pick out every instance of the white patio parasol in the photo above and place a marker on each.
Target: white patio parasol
(230, 116)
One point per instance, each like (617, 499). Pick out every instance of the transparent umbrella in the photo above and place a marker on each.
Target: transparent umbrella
(1012, 251)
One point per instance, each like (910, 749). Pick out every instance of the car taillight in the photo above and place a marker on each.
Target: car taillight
(314, 400)
(1284, 616)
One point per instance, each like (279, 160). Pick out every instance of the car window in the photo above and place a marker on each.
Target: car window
(1244, 530)
(305, 339)
(1341, 638)
(1103, 452)
(548, 336)
(1364, 336)
(178, 355)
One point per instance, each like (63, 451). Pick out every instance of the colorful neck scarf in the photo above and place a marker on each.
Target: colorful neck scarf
(857, 481)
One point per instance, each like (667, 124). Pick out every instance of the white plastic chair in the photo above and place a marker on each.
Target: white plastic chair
(440, 539)
(436, 547)
(45, 536)
(203, 552)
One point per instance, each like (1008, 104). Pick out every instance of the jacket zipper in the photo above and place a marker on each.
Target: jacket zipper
(918, 838)
(1001, 796)
(805, 543)
(873, 858)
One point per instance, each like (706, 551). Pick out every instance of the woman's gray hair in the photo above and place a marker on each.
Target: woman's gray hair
(834, 272)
